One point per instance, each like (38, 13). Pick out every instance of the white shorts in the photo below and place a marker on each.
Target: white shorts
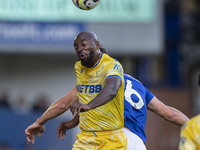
(134, 142)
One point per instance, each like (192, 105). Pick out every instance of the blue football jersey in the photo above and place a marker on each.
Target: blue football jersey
(136, 99)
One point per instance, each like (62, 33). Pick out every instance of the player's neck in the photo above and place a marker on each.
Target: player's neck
(96, 59)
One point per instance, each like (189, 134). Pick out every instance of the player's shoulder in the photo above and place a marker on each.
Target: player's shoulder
(195, 120)
(129, 77)
(109, 59)
(191, 124)
(109, 62)
(77, 64)
(197, 117)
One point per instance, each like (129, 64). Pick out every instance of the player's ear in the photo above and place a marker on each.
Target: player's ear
(97, 44)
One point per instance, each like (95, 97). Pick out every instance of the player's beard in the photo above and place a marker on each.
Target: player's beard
(88, 62)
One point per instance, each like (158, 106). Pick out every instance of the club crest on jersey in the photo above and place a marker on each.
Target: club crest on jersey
(88, 88)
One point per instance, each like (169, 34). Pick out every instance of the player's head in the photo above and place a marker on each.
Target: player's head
(87, 48)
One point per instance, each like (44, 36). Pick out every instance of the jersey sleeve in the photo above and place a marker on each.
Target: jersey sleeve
(113, 69)
(76, 67)
(186, 140)
(149, 96)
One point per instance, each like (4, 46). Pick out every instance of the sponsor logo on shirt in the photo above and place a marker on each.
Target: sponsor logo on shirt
(89, 88)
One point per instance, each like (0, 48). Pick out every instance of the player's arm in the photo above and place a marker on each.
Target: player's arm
(64, 126)
(59, 107)
(109, 91)
(53, 111)
(112, 85)
(168, 113)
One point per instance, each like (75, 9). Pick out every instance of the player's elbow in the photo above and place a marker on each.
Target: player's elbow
(112, 96)
(112, 93)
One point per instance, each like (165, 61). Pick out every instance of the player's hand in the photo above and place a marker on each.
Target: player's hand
(64, 126)
(61, 132)
(78, 107)
(72, 108)
(32, 131)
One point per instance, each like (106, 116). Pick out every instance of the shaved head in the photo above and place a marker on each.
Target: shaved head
(87, 48)
(87, 35)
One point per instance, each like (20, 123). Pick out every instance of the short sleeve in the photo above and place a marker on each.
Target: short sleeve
(113, 69)
(149, 96)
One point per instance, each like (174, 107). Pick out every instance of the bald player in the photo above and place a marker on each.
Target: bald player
(100, 90)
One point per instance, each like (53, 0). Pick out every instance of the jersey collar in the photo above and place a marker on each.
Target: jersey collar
(100, 56)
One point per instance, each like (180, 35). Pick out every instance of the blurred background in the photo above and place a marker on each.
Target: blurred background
(157, 42)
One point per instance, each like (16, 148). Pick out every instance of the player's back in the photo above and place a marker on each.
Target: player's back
(136, 99)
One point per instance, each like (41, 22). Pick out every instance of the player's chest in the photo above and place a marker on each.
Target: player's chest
(90, 76)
